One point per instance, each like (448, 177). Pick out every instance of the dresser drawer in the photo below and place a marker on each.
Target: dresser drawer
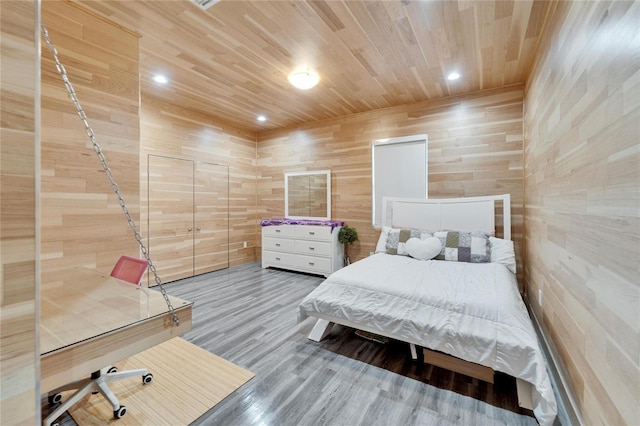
(314, 248)
(278, 231)
(305, 248)
(307, 232)
(315, 264)
(273, 258)
(278, 244)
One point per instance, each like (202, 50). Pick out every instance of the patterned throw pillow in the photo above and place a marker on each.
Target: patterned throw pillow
(473, 247)
(397, 239)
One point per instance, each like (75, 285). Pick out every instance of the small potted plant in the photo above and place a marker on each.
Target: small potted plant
(347, 236)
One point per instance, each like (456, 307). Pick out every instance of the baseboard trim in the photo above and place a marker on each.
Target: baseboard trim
(568, 412)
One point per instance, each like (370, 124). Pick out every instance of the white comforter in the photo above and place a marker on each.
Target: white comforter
(471, 311)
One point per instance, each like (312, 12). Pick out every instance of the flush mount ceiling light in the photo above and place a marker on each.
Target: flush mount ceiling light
(261, 118)
(453, 76)
(158, 78)
(304, 79)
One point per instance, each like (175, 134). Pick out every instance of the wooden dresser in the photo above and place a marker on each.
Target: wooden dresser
(302, 247)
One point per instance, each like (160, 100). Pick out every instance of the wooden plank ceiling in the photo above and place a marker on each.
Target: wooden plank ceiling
(232, 60)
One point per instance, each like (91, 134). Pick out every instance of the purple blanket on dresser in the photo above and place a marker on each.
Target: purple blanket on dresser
(284, 221)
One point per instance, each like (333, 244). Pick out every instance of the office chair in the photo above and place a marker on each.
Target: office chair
(129, 269)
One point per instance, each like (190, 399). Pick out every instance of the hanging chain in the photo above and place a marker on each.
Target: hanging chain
(103, 161)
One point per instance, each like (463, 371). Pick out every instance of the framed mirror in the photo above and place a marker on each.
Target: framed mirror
(307, 195)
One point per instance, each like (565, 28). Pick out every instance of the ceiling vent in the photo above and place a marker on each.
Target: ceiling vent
(205, 4)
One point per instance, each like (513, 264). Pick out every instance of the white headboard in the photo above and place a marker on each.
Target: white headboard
(460, 214)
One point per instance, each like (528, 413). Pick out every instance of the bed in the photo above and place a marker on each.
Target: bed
(469, 311)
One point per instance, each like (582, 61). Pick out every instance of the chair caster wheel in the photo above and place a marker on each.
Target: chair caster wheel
(55, 424)
(55, 398)
(147, 378)
(112, 370)
(120, 412)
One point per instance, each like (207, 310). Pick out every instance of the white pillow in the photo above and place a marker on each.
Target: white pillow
(423, 249)
(502, 252)
(381, 247)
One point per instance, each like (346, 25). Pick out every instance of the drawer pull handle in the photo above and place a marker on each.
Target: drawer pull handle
(311, 263)
(277, 258)
(312, 233)
(277, 244)
(312, 248)
(277, 230)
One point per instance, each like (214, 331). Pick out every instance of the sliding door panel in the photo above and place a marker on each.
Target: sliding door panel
(171, 228)
(211, 194)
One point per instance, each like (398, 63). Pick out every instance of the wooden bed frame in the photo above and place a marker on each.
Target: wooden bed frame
(460, 214)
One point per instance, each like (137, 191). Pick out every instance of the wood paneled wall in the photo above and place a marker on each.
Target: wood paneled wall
(176, 132)
(19, 349)
(475, 148)
(82, 223)
(582, 215)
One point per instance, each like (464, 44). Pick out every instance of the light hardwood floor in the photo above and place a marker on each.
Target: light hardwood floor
(248, 315)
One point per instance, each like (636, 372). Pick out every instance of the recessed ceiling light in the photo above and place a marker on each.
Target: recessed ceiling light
(453, 76)
(261, 118)
(304, 79)
(158, 78)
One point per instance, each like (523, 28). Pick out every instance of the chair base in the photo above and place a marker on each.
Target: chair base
(98, 382)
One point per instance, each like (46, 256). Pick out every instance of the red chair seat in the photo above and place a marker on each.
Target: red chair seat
(130, 269)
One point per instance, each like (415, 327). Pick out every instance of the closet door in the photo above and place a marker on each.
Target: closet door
(170, 215)
(211, 195)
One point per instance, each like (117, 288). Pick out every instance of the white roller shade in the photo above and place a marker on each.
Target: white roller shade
(399, 168)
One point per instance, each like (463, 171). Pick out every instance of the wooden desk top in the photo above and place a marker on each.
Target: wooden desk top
(101, 319)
